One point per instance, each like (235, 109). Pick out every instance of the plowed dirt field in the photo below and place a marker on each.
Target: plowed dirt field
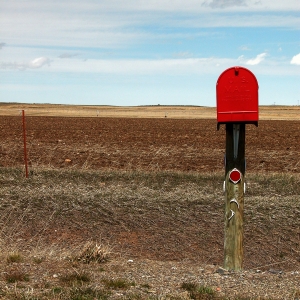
(144, 144)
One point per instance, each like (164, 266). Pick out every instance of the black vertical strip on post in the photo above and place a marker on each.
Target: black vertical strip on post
(239, 161)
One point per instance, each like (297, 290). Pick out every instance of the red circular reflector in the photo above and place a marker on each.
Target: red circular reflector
(235, 175)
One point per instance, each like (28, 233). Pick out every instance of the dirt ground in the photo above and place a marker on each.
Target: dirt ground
(144, 144)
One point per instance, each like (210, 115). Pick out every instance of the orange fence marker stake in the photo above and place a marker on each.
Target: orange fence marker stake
(24, 138)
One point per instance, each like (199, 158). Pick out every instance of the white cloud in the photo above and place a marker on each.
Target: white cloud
(33, 64)
(296, 60)
(38, 62)
(241, 58)
(257, 60)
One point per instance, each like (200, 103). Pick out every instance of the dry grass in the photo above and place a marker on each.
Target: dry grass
(151, 231)
(94, 252)
(155, 111)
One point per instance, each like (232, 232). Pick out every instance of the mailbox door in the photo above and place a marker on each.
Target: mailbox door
(237, 96)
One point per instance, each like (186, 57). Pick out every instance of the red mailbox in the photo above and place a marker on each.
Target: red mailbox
(237, 96)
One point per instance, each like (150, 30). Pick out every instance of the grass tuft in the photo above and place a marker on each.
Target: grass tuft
(15, 276)
(198, 292)
(75, 278)
(117, 283)
(93, 252)
(189, 286)
(88, 294)
(38, 260)
(14, 257)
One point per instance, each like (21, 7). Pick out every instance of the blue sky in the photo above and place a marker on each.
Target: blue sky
(147, 52)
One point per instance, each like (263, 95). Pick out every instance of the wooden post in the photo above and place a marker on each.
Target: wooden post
(234, 196)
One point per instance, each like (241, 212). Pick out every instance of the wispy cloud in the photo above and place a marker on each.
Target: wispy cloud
(296, 60)
(224, 3)
(191, 5)
(257, 60)
(173, 66)
(2, 45)
(182, 64)
(33, 64)
(183, 54)
(114, 23)
(67, 55)
(244, 48)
